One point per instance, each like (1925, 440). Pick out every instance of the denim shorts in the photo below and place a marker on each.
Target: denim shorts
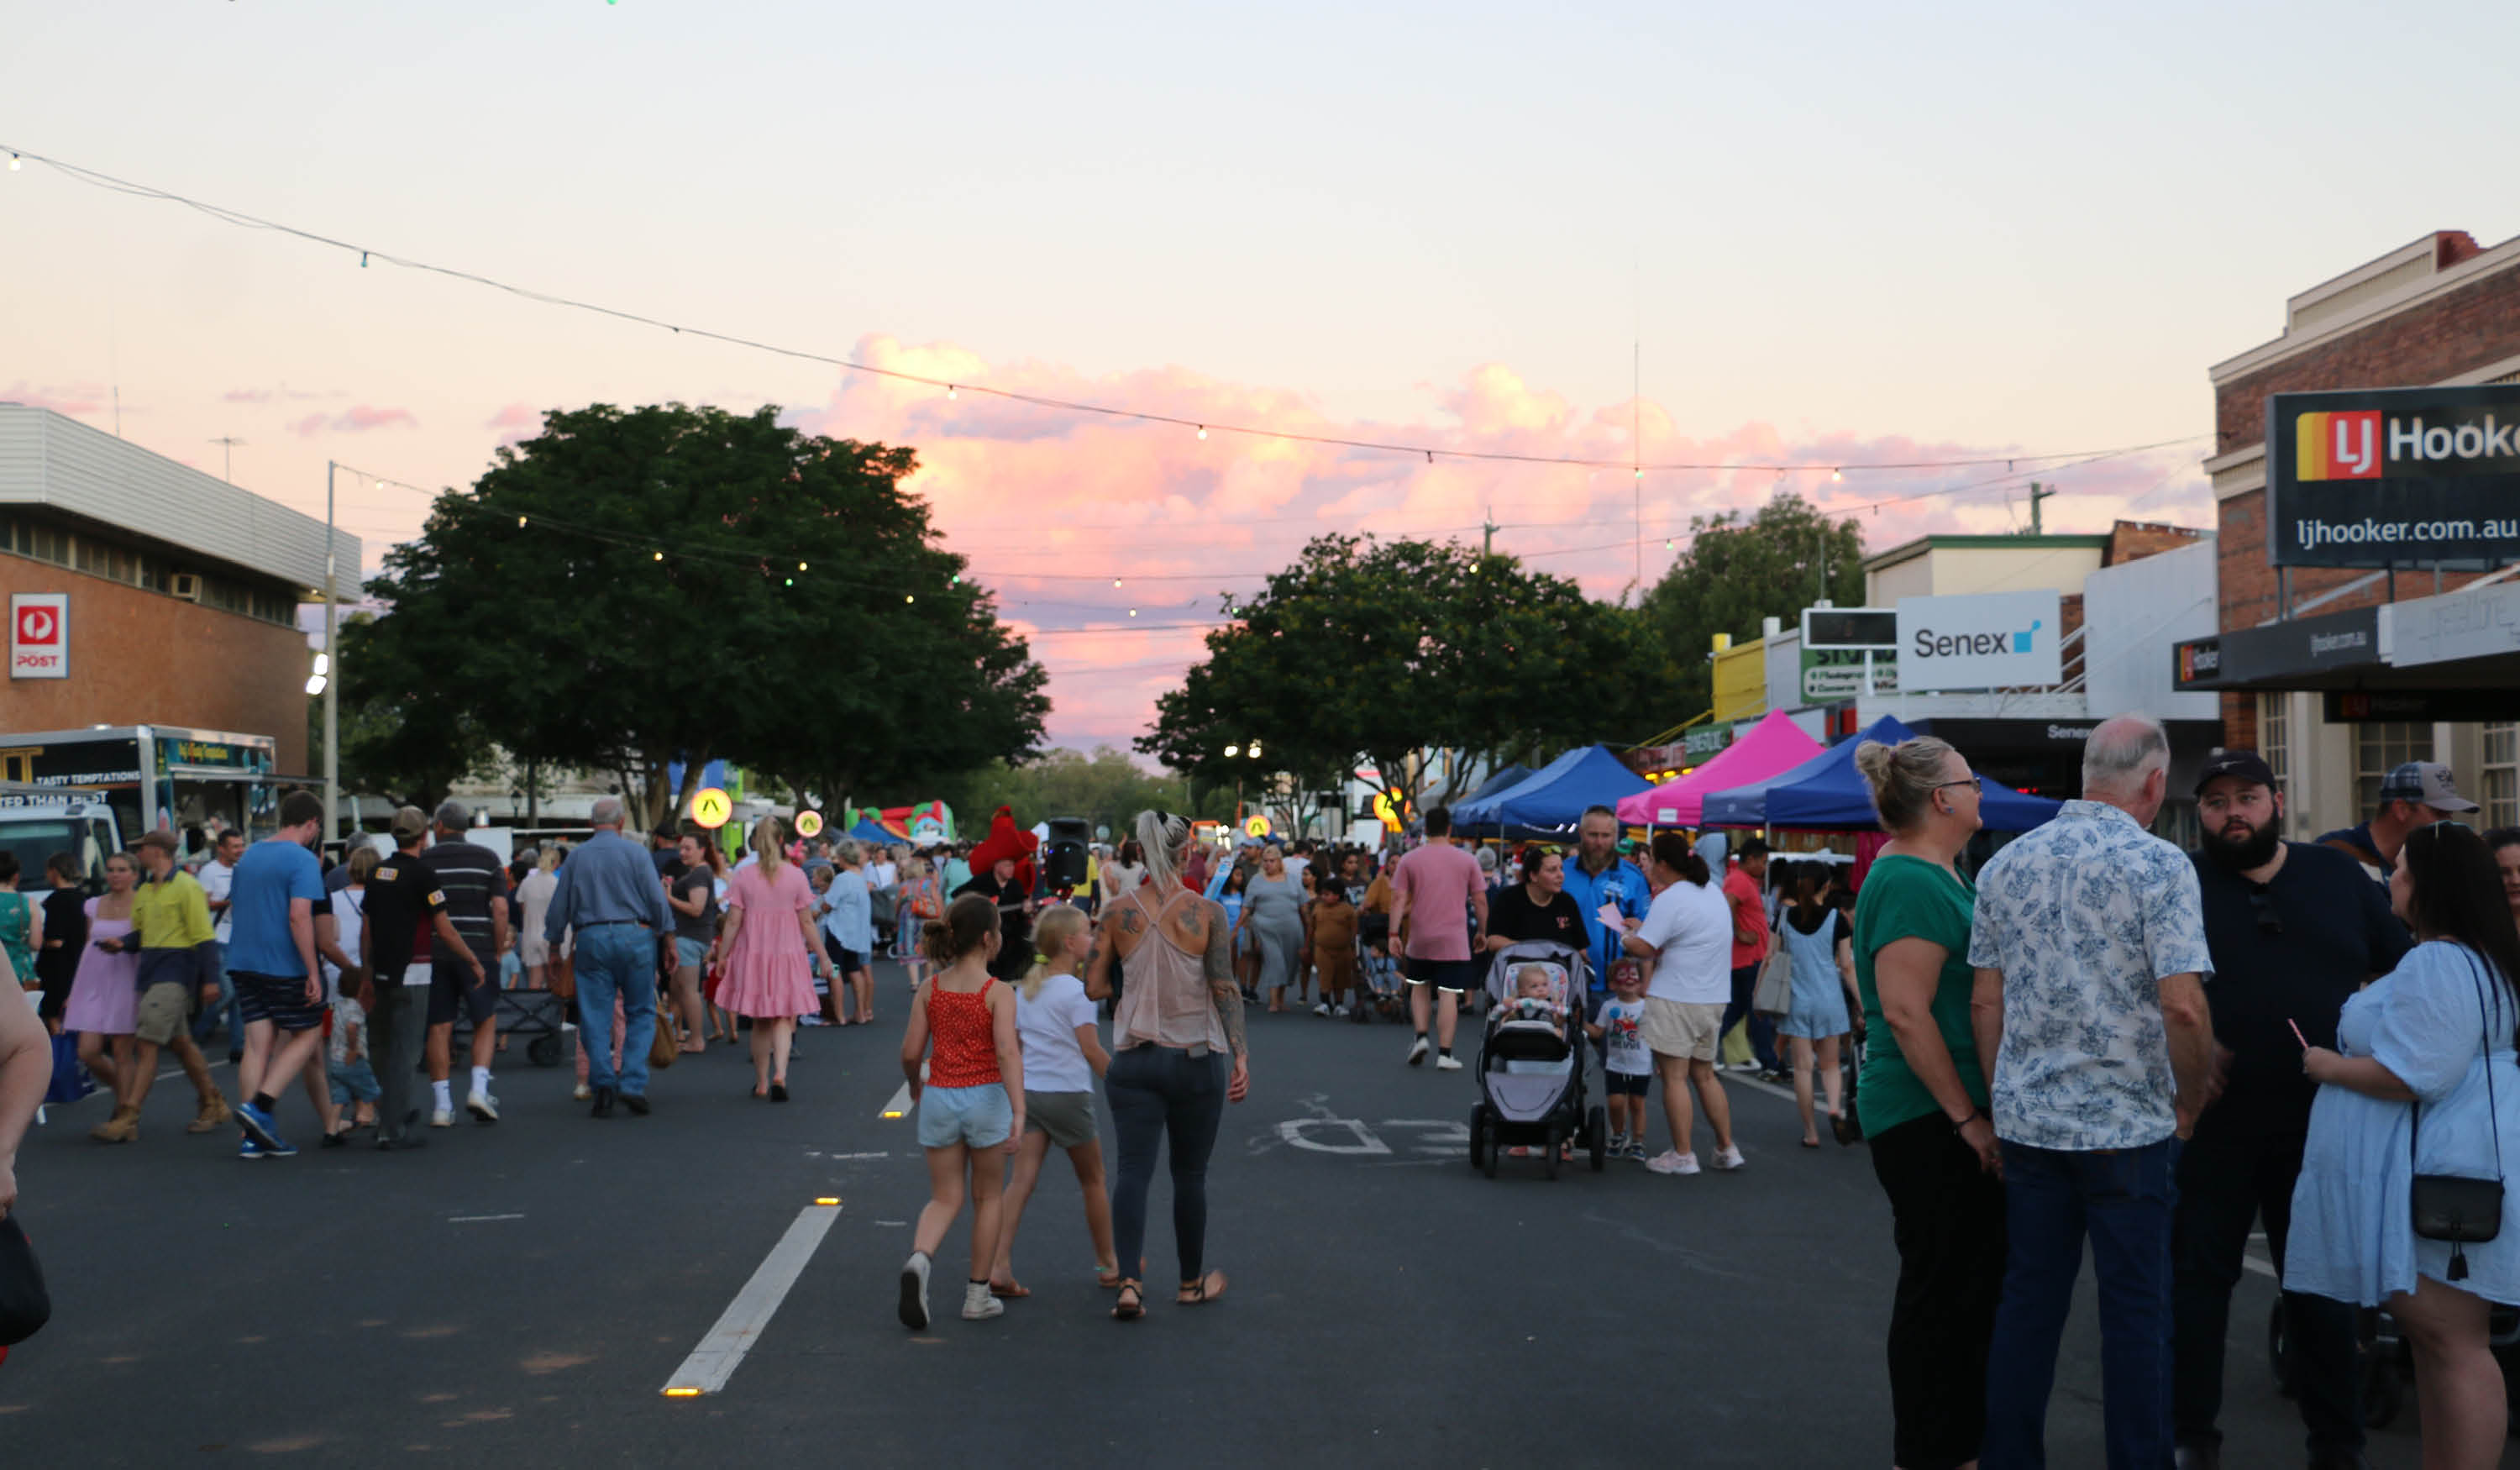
(980, 1116)
(689, 952)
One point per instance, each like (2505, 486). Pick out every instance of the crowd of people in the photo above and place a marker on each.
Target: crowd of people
(2093, 1037)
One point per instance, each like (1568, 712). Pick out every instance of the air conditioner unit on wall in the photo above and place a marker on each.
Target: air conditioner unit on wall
(185, 585)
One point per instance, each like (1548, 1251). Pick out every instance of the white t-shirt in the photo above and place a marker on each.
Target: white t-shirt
(1119, 879)
(1045, 1026)
(883, 876)
(350, 918)
(1692, 927)
(1619, 1020)
(1295, 869)
(216, 878)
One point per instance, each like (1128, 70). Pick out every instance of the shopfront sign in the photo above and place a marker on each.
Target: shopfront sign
(2300, 648)
(39, 635)
(2394, 477)
(2417, 706)
(1833, 674)
(2196, 664)
(1705, 741)
(1995, 640)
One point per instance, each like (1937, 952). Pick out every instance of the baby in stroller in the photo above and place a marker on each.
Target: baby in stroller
(1538, 1009)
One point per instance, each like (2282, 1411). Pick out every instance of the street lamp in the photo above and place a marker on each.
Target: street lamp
(1253, 751)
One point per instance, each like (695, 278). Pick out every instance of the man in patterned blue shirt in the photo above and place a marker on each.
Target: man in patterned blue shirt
(2090, 948)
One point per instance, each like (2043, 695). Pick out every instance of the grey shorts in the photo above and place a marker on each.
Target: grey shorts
(1066, 1117)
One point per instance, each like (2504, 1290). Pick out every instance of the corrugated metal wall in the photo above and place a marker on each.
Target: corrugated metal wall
(52, 460)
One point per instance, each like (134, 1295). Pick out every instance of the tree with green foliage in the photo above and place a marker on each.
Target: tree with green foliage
(635, 587)
(1106, 788)
(1424, 660)
(1738, 571)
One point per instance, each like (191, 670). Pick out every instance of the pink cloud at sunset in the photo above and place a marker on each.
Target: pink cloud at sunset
(358, 420)
(1051, 506)
(75, 398)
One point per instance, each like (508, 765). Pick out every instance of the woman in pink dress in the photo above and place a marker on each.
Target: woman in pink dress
(104, 994)
(766, 937)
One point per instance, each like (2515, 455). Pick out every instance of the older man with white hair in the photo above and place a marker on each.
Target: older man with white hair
(610, 894)
(2090, 948)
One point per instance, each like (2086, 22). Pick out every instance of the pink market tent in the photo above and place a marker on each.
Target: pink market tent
(1773, 746)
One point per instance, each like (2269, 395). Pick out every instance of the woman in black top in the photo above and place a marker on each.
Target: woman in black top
(1538, 906)
(65, 936)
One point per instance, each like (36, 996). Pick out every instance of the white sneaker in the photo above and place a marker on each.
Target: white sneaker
(482, 1106)
(914, 1292)
(1669, 1162)
(1416, 1052)
(583, 1092)
(1618, 1145)
(1730, 1158)
(979, 1304)
(441, 1117)
(1447, 1064)
(1321, 1010)
(1340, 1010)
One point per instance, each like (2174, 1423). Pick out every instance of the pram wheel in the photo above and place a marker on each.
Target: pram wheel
(1479, 1135)
(1557, 1140)
(1488, 1148)
(543, 1051)
(1597, 1129)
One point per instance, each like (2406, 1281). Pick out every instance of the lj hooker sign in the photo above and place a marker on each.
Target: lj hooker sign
(2394, 477)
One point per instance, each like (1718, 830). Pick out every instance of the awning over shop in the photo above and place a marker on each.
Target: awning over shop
(1773, 746)
(2468, 640)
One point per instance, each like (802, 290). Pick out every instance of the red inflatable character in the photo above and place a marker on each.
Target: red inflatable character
(1007, 840)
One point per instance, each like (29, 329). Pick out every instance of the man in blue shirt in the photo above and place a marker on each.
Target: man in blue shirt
(609, 893)
(273, 934)
(1597, 875)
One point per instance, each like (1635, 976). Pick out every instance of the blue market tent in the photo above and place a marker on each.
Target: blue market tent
(1827, 793)
(1503, 780)
(1550, 803)
(868, 831)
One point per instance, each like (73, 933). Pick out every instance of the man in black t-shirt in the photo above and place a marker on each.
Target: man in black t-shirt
(405, 935)
(475, 887)
(2294, 929)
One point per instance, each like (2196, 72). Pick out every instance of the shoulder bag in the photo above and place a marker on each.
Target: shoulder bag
(2455, 1207)
(25, 1305)
(1774, 995)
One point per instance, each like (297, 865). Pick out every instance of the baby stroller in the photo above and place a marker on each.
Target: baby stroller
(1378, 975)
(1531, 1067)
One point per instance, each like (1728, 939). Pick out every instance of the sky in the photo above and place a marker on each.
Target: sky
(1825, 237)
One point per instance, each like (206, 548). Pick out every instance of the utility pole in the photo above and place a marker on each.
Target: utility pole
(227, 447)
(2037, 495)
(333, 670)
(1487, 532)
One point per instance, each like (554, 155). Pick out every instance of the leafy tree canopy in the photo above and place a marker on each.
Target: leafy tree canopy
(1738, 571)
(634, 586)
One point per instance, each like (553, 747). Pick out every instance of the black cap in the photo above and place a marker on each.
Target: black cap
(2247, 765)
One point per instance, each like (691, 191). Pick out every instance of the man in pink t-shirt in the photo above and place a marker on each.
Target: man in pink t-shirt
(1439, 886)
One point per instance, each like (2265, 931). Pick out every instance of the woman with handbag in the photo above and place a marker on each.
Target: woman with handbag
(1816, 951)
(2401, 1201)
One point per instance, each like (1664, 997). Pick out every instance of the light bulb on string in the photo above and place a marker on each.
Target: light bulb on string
(949, 392)
(910, 596)
(661, 556)
(1115, 581)
(15, 163)
(801, 566)
(1837, 477)
(1202, 430)
(520, 522)
(1133, 612)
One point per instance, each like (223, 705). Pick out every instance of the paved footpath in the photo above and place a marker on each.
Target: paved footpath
(526, 1293)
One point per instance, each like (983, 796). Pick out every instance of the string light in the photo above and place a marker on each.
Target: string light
(520, 522)
(910, 596)
(243, 220)
(949, 392)
(661, 556)
(801, 566)
(1837, 477)
(15, 163)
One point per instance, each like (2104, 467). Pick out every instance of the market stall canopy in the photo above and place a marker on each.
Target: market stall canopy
(1503, 780)
(1551, 802)
(1827, 793)
(1773, 746)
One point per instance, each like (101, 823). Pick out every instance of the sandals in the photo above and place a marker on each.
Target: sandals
(1132, 1304)
(1205, 1289)
(1011, 1291)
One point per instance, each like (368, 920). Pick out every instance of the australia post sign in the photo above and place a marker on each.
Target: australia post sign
(2394, 477)
(39, 635)
(1995, 640)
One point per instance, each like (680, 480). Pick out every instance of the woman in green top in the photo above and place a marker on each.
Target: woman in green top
(21, 925)
(1922, 1099)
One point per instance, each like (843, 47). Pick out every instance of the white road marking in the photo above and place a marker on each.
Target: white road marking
(899, 1106)
(1360, 1139)
(476, 1219)
(879, 1153)
(714, 1361)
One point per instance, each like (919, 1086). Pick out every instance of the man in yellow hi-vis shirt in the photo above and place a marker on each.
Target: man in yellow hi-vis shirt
(170, 927)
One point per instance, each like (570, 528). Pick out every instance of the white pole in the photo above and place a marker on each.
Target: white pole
(332, 671)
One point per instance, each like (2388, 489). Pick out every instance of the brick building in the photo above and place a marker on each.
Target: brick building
(2441, 311)
(182, 590)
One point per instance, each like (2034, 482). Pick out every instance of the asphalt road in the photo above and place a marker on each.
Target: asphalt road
(524, 1293)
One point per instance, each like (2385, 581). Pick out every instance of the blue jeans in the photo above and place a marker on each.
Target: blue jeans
(1763, 1031)
(617, 959)
(209, 1020)
(1162, 1094)
(2122, 1199)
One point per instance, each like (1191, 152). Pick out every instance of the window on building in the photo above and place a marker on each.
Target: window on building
(2274, 739)
(2379, 748)
(2501, 791)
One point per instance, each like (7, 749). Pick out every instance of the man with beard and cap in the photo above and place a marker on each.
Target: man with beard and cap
(2295, 928)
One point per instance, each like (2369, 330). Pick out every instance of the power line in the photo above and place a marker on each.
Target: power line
(954, 387)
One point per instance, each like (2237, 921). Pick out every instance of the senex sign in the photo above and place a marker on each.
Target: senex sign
(1995, 640)
(2393, 476)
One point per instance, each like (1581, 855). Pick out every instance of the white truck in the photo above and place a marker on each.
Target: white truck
(148, 778)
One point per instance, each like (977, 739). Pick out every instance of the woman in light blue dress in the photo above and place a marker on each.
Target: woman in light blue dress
(1273, 910)
(1821, 945)
(2424, 1081)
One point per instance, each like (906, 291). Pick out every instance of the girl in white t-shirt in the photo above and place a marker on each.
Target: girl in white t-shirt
(1062, 1056)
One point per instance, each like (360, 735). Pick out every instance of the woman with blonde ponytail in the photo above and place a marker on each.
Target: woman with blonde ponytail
(771, 954)
(1062, 1056)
